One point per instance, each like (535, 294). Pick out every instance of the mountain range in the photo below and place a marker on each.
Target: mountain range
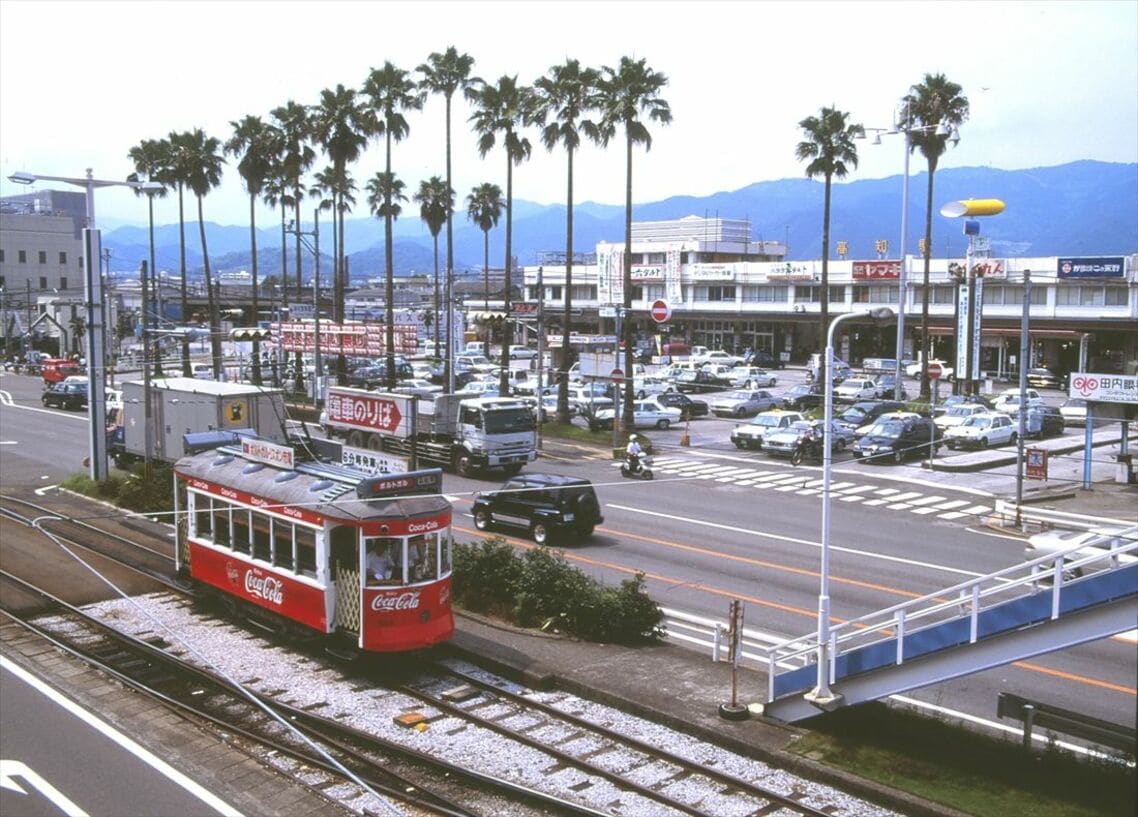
(1084, 208)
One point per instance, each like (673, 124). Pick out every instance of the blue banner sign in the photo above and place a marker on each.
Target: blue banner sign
(1097, 267)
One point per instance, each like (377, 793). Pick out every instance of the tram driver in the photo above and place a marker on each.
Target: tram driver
(382, 559)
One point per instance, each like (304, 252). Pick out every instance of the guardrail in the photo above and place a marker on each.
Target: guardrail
(712, 635)
(1068, 722)
(1007, 513)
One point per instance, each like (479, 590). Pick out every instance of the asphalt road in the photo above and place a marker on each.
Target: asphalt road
(706, 531)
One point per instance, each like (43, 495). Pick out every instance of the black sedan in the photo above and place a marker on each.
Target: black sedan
(1043, 378)
(897, 439)
(801, 397)
(701, 381)
(688, 408)
(68, 396)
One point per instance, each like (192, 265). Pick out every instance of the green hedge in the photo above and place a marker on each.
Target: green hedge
(131, 491)
(539, 588)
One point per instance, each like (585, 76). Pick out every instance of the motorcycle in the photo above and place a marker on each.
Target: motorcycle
(643, 470)
(807, 448)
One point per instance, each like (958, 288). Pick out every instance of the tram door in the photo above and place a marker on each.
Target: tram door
(344, 549)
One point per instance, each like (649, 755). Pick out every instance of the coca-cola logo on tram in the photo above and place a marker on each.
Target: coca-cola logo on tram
(386, 602)
(262, 586)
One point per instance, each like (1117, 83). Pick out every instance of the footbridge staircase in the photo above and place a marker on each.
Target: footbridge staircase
(1052, 602)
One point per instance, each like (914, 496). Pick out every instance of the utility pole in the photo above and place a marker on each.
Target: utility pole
(147, 420)
(540, 349)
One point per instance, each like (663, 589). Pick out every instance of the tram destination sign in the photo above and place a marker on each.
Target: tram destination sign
(385, 486)
(269, 453)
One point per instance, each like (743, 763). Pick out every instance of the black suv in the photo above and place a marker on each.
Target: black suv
(68, 396)
(898, 438)
(550, 506)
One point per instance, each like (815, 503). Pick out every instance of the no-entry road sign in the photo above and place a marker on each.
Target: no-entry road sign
(617, 375)
(934, 371)
(660, 311)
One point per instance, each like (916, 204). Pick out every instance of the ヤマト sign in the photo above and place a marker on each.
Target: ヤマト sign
(1105, 388)
(876, 269)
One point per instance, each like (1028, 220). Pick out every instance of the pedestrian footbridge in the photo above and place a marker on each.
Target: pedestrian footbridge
(1047, 604)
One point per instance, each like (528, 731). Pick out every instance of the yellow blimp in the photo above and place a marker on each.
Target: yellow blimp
(972, 207)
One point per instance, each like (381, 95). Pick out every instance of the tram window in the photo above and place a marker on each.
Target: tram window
(282, 543)
(262, 546)
(241, 530)
(203, 517)
(419, 552)
(221, 533)
(384, 562)
(305, 550)
(444, 567)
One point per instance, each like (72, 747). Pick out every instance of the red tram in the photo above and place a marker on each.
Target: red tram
(363, 560)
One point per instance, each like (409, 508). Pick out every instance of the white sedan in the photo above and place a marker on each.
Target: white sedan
(982, 431)
(752, 377)
(645, 414)
(419, 388)
(853, 389)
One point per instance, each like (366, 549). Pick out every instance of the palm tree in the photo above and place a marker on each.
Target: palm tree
(933, 110)
(176, 174)
(258, 144)
(203, 163)
(503, 109)
(385, 192)
(340, 125)
(566, 94)
(829, 147)
(336, 191)
(444, 74)
(391, 91)
(276, 193)
(150, 162)
(484, 208)
(626, 95)
(296, 157)
(436, 203)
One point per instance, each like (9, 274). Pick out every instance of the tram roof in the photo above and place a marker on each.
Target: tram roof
(320, 488)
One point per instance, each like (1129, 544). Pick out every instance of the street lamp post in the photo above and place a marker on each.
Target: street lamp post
(93, 302)
(822, 696)
(315, 233)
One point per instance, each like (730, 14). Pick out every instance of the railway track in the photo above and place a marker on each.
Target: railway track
(547, 751)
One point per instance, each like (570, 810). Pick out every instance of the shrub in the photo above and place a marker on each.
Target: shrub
(539, 588)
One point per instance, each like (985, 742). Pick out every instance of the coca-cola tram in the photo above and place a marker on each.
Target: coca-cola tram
(364, 560)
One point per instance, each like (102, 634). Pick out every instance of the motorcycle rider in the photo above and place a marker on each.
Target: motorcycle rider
(632, 453)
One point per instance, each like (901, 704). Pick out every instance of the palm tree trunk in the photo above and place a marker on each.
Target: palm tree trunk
(507, 334)
(448, 370)
(486, 292)
(299, 385)
(566, 331)
(926, 356)
(256, 310)
(187, 370)
(824, 301)
(436, 237)
(214, 318)
(627, 418)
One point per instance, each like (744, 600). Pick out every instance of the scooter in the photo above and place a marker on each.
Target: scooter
(641, 471)
(806, 448)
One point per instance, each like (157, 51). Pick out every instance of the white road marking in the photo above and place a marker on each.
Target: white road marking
(43, 490)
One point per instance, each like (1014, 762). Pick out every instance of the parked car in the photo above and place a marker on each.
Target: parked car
(1074, 411)
(1008, 400)
(203, 371)
(589, 398)
(477, 363)
(419, 388)
(742, 403)
(1051, 422)
(861, 415)
(551, 507)
(645, 414)
(915, 369)
(1082, 544)
(522, 353)
(887, 387)
(688, 407)
(752, 377)
(855, 388)
(717, 356)
(646, 386)
(1044, 378)
(783, 442)
(990, 428)
(897, 438)
(68, 396)
(700, 381)
(752, 434)
(479, 388)
(957, 414)
(801, 397)
(763, 358)
(960, 400)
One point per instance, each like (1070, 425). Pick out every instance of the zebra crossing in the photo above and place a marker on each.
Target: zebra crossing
(800, 483)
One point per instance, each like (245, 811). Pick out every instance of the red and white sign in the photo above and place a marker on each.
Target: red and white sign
(617, 375)
(268, 453)
(660, 311)
(352, 338)
(368, 411)
(934, 371)
(876, 269)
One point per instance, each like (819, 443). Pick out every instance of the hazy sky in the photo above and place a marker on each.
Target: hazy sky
(1049, 82)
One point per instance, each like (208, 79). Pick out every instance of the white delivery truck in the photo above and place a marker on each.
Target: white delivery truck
(468, 434)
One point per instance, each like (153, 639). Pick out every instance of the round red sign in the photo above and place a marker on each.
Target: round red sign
(934, 371)
(617, 375)
(660, 311)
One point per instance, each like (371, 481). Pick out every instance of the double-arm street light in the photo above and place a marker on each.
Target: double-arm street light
(821, 696)
(93, 298)
(904, 126)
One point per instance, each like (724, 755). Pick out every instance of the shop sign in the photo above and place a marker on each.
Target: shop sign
(1105, 388)
(647, 273)
(710, 272)
(876, 270)
(1096, 267)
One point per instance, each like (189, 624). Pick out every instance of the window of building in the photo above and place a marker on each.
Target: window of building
(1080, 296)
(62, 258)
(584, 293)
(807, 294)
(1, 256)
(637, 293)
(838, 295)
(63, 283)
(43, 282)
(1115, 296)
(43, 256)
(1012, 295)
(764, 293)
(714, 293)
(654, 257)
(22, 256)
(654, 291)
(555, 293)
